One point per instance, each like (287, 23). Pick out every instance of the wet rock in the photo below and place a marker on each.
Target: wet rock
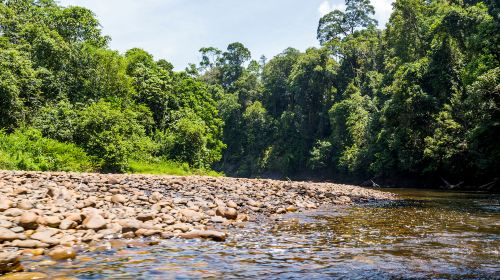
(25, 276)
(94, 221)
(9, 262)
(292, 208)
(62, 253)
(205, 234)
(33, 252)
(28, 220)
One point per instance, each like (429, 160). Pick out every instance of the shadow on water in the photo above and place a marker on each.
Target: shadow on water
(428, 234)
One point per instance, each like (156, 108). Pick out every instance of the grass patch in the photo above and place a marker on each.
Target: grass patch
(166, 167)
(27, 150)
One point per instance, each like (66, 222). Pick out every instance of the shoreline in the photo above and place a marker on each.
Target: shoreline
(51, 212)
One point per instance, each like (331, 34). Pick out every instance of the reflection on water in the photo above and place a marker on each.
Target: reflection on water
(430, 234)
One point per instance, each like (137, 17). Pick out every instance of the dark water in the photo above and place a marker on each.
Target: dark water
(430, 234)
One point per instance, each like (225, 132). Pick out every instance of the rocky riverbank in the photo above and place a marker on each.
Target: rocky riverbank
(49, 213)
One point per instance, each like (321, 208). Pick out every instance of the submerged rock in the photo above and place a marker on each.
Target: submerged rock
(10, 262)
(62, 253)
(205, 234)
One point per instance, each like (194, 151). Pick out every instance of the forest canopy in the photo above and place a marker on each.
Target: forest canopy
(418, 99)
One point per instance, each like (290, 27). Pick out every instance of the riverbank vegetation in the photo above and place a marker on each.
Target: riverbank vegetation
(417, 99)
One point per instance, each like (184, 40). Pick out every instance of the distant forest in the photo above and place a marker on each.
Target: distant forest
(417, 100)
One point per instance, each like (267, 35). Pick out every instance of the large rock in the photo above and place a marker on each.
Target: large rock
(50, 221)
(7, 235)
(26, 276)
(28, 220)
(188, 215)
(25, 205)
(94, 221)
(10, 262)
(5, 204)
(68, 224)
(46, 236)
(144, 217)
(30, 243)
(231, 214)
(205, 234)
(119, 198)
(130, 225)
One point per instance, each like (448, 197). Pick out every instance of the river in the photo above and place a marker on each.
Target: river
(429, 234)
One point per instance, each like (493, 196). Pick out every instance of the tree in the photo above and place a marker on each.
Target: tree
(338, 24)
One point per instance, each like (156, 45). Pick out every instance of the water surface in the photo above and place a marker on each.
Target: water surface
(430, 234)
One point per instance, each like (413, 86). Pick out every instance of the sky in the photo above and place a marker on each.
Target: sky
(176, 29)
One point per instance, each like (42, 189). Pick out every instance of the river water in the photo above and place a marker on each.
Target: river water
(429, 234)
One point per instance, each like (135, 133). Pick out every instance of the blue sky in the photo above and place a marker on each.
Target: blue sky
(176, 29)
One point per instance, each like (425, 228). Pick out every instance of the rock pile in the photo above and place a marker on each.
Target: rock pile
(44, 210)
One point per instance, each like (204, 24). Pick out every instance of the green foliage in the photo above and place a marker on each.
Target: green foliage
(337, 24)
(112, 134)
(26, 149)
(160, 166)
(419, 98)
(186, 140)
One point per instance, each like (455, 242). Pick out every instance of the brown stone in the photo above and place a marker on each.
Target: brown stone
(62, 253)
(94, 221)
(26, 276)
(118, 198)
(68, 224)
(7, 235)
(30, 243)
(5, 204)
(28, 220)
(231, 214)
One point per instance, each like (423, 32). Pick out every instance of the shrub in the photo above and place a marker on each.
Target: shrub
(112, 134)
(26, 149)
